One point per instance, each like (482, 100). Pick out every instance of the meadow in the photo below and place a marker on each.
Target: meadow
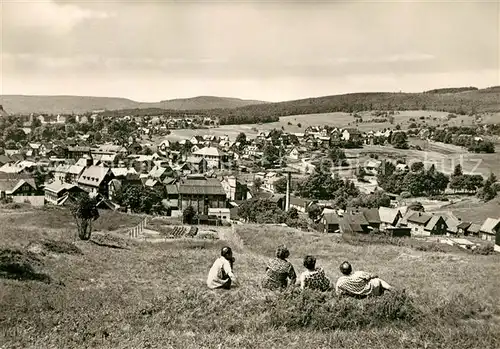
(147, 295)
(337, 119)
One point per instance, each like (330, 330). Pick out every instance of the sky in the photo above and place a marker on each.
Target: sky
(267, 50)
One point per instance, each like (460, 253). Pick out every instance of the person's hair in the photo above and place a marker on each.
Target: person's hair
(309, 262)
(282, 252)
(345, 268)
(226, 252)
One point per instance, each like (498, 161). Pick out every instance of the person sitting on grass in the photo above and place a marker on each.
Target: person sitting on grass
(279, 271)
(221, 274)
(359, 284)
(313, 278)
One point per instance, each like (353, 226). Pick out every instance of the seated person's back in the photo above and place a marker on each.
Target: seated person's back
(359, 283)
(221, 273)
(279, 271)
(313, 278)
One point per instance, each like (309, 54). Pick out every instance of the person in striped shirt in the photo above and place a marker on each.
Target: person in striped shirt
(359, 284)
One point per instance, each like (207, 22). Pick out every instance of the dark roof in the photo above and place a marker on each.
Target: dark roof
(171, 189)
(355, 218)
(372, 215)
(419, 218)
(79, 149)
(276, 197)
(10, 185)
(169, 180)
(464, 225)
(331, 218)
(4, 159)
(298, 201)
(198, 186)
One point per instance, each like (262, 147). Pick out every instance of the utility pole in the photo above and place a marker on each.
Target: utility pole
(288, 185)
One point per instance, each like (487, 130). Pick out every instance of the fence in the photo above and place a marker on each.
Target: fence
(138, 229)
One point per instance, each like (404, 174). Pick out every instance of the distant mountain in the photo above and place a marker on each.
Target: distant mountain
(21, 104)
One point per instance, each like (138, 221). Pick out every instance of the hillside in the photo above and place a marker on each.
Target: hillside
(58, 293)
(484, 100)
(19, 104)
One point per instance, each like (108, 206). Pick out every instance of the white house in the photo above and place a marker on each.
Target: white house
(213, 156)
(293, 154)
(490, 229)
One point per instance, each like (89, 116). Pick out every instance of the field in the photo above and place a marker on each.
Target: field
(444, 156)
(154, 295)
(473, 210)
(332, 119)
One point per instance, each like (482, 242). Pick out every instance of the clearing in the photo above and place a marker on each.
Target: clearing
(153, 295)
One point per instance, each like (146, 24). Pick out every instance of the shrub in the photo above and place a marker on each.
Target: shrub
(61, 247)
(21, 265)
(296, 309)
(439, 198)
(484, 250)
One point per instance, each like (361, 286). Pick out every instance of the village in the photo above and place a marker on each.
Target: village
(211, 179)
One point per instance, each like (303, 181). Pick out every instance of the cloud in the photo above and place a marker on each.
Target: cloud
(47, 15)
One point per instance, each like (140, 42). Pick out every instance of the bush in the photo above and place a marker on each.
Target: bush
(484, 250)
(405, 194)
(21, 265)
(439, 198)
(296, 309)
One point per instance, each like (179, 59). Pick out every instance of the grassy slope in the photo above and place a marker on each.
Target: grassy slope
(154, 295)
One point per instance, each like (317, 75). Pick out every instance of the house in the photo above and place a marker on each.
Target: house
(18, 167)
(215, 158)
(160, 173)
(402, 168)
(197, 164)
(278, 199)
(490, 229)
(95, 179)
(331, 223)
(196, 140)
(452, 223)
(78, 152)
(234, 189)
(201, 193)
(371, 166)
(223, 214)
(351, 134)
(60, 172)
(293, 154)
(399, 231)
(463, 228)
(56, 191)
(389, 217)
(371, 216)
(171, 200)
(351, 223)
(423, 224)
(153, 184)
(299, 204)
(474, 229)
(14, 185)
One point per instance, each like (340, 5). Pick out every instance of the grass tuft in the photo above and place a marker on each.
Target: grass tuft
(21, 265)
